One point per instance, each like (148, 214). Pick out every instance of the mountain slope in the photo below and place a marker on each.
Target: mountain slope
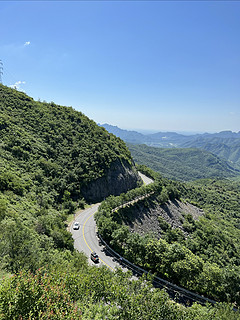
(63, 146)
(126, 135)
(160, 139)
(182, 164)
(53, 159)
(49, 156)
(225, 144)
(225, 147)
(187, 233)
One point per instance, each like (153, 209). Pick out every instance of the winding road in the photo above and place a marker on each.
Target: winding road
(86, 239)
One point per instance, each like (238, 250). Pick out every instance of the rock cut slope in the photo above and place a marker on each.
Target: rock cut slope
(155, 217)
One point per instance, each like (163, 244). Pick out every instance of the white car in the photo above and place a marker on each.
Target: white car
(76, 226)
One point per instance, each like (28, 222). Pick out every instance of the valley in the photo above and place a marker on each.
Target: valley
(54, 161)
(183, 164)
(225, 144)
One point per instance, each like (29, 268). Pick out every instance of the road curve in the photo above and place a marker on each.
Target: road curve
(145, 179)
(86, 240)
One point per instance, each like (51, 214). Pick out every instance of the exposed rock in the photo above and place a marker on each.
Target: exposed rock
(119, 178)
(145, 219)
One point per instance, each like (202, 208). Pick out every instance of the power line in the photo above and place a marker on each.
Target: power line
(1, 70)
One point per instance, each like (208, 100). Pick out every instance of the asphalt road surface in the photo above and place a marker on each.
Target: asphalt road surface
(86, 240)
(145, 179)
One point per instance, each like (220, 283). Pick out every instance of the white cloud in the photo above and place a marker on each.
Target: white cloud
(17, 85)
(27, 43)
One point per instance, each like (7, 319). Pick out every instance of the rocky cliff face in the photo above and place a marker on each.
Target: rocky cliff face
(119, 178)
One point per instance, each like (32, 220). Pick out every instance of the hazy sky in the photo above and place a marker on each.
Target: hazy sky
(159, 65)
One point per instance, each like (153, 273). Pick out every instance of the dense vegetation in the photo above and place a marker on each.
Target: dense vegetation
(225, 144)
(78, 291)
(182, 164)
(48, 153)
(60, 148)
(207, 261)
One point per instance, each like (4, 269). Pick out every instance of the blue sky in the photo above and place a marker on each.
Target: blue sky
(153, 65)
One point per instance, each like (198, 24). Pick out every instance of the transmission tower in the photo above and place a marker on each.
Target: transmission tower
(1, 70)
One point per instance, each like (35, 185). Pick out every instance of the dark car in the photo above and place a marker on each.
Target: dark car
(94, 257)
(76, 226)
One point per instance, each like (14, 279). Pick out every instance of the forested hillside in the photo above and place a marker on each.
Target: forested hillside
(182, 164)
(60, 148)
(225, 144)
(53, 159)
(200, 254)
(50, 157)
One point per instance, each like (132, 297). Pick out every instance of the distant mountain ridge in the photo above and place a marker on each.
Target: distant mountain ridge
(129, 136)
(225, 144)
(134, 135)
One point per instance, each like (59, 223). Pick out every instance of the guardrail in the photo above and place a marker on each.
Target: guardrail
(177, 293)
(136, 199)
